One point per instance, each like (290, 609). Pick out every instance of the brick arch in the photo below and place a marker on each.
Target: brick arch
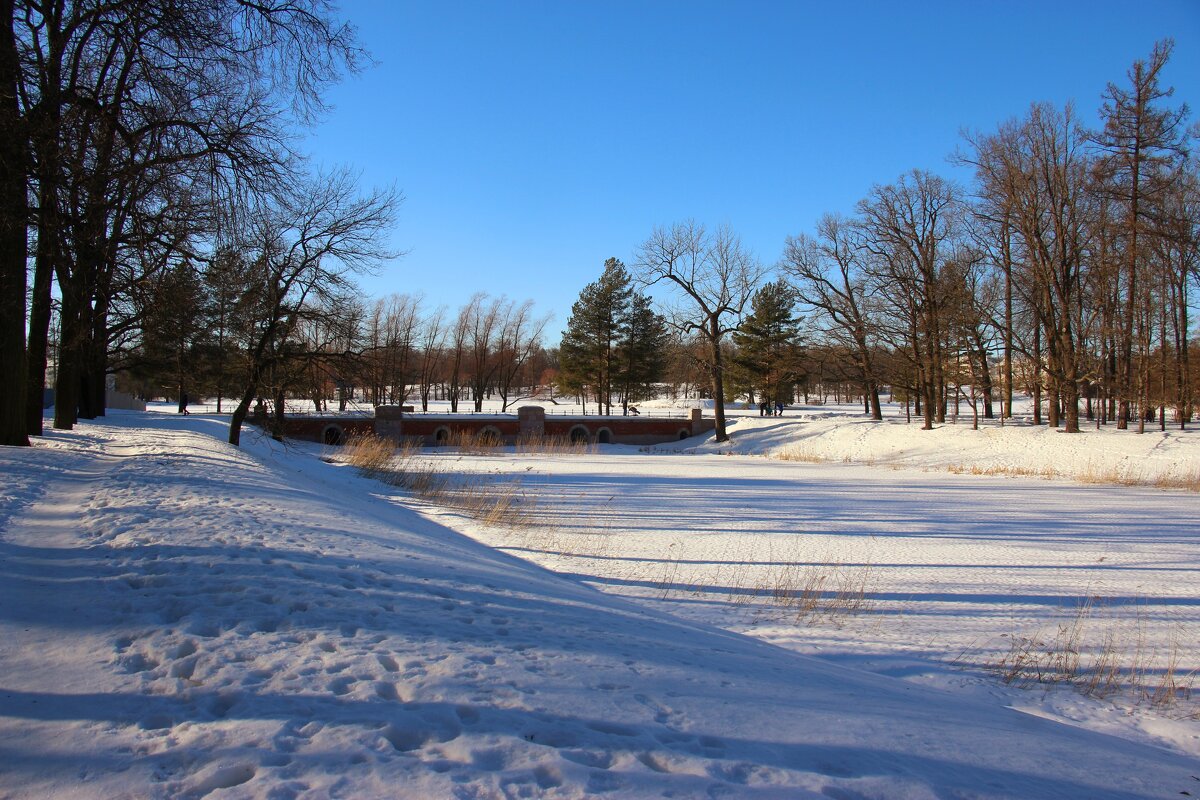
(489, 435)
(333, 434)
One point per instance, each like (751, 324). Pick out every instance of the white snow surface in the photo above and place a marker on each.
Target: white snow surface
(181, 618)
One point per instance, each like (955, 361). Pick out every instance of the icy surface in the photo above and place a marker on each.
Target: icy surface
(180, 618)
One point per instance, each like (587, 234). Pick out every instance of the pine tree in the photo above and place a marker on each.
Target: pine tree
(768, 342)
(172, 328)
(225, 287)
(589, 346)
(643, 351)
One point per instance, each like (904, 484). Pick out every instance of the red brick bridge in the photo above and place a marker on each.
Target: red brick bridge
(530, 422)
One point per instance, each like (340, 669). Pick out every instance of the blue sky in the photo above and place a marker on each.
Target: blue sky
(532, 140)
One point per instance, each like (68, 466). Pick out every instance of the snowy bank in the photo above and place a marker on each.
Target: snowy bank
(179, 618)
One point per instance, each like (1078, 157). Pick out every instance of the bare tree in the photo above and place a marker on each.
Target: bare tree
(110, 109)
(714, 277)
(484, 328)
(520, 337)
(1178, 252)
(908, 227)
(1141, 141)
(304, 248)
(14, 217)
(459, 335)
(829, 275)
(1037, 171)
(393, 329)
(431, 346)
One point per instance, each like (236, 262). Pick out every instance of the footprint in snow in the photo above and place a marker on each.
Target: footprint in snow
(596, 759)
(220, 777)
(468, 714)
(340, 686)
(387, 691)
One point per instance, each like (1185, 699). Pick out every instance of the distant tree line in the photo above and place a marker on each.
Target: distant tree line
(1065, 271)
(341, 350)
(156, 223)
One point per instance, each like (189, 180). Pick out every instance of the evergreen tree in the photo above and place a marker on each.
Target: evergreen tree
(173, 326)
(643, 351)
(597, 325)
(226, 283)
(768, 342)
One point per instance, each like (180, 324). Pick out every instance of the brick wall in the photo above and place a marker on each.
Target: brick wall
(531, 421)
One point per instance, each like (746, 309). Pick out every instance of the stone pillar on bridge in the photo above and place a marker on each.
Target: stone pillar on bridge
(389, 421)
(532, 420)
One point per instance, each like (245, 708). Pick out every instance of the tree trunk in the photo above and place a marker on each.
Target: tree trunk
(718, 381)
(1182, 369)
(1006, 410)
(95, 377)
(1162, 361)
(277, 420)
(1125, 326)
(1037, 373)
(239, 415)
(251, 389)
(1070, 396)
(68, 372)
(1145, 335)
(14, 220)
(985, 378)
(39, 315)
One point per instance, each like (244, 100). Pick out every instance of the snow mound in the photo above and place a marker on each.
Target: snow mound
(1104, 455)
(180, 618)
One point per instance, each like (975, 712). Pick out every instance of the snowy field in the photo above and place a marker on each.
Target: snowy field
(179, 618)
(905, 552)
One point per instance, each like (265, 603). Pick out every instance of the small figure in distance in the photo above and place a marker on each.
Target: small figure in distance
(183, 404)
(779, 408)
(633, 410)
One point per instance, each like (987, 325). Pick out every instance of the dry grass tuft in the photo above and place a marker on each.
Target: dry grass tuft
(1011, 471)
(1112, 476)
(494, 503)
(1189, 481)
(1184, 478)
(1112, 664)
(482, 443)
(804, 593)
(1106, 476)
(554, 445)
(822, 591)
(799, 453)
(370, 454)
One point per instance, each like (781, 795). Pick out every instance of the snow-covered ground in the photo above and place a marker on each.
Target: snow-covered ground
(180, 618)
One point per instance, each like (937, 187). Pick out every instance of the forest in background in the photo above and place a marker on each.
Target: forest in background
(159, 225)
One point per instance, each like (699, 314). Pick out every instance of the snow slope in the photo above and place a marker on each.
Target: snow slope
(179, 618)
(1101, 455)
